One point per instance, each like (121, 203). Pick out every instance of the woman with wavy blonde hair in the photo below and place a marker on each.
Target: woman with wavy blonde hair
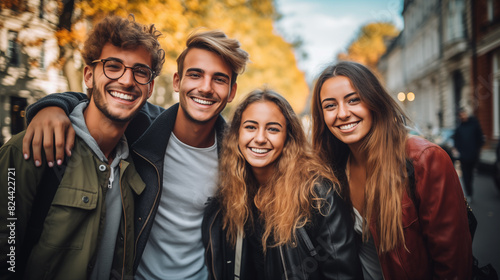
(277, 214)
(407, 232)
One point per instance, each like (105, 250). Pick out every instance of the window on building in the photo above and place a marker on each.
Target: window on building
(13, 49)
(490, 10)
(455, 20)
(17, 114)
(42, 56)
(41, 9)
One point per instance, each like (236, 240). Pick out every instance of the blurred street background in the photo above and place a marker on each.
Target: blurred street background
(486, 208)
(433, 56)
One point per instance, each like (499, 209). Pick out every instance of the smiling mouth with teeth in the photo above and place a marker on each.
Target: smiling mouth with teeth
(259, 151)
(203, 102)
(348, 126)
(121, 95)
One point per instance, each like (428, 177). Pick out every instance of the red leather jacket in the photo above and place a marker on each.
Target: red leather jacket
(437, 238)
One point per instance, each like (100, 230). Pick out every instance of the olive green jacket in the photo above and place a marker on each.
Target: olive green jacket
(74, 224)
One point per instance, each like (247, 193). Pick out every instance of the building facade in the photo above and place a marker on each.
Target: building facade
(422, 65)
(486, 65)
(28, 60)
(447, 57)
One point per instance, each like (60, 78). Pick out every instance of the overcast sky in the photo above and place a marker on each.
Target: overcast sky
(328, 26)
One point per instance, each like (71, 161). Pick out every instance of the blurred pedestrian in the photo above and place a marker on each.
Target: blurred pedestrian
(468, 139)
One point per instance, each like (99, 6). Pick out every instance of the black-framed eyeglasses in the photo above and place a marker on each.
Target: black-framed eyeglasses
(114, 70)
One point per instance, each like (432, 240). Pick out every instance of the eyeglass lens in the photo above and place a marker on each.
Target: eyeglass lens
(115, 69)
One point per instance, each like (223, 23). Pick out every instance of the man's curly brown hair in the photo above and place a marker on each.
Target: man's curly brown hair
(125, 33)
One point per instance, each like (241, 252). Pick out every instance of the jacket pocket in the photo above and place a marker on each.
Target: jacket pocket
(410, 215)
(71, 217)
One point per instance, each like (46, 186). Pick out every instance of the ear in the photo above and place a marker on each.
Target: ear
(88, 73)
(151, 86)
(232, 94)
(176, 82)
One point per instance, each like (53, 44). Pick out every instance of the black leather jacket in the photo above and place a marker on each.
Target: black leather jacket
(330, 254)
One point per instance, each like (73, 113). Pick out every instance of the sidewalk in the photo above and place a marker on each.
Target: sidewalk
(486, 208)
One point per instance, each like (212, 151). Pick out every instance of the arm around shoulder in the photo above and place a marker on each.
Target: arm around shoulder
(151, 111)
(66, 101)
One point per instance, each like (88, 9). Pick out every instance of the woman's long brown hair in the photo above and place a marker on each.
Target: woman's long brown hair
(384, 147)
(285, 203)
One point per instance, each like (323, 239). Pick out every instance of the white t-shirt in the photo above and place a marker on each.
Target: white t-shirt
(367, 252)
(174, 249)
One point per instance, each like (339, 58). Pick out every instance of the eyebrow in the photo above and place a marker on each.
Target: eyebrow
(274, 123)
(333, 99)
(195, 70)
(269, 123)
(199, 70)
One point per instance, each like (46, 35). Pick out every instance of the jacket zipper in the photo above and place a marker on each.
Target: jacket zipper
(93, 260)
(211, 245)
(156, 199)
(283, 262)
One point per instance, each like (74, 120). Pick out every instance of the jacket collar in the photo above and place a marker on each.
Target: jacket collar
(83, 153)
(132, 178)
(152, 144)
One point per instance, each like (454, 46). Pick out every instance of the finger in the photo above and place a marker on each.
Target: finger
(28, 137)
(36, 146)
(59, 139)
(70, 140)
(48, 146)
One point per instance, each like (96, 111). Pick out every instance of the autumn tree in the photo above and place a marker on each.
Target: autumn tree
(272, 63)
(370, 44)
